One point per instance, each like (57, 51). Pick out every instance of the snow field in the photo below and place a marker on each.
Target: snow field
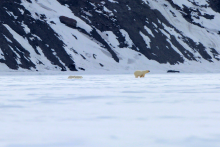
(169, 110)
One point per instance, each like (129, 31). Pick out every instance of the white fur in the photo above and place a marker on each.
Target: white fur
(140, 73)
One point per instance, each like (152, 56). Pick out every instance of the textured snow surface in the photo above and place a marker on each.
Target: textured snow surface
(169, 110)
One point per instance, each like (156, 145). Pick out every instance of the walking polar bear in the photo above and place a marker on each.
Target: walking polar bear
(75, 77)
(140, 73)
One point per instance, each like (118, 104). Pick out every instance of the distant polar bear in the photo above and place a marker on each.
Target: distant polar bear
(75, 77)
(140, 73)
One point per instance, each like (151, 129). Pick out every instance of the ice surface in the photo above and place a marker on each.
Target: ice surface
(160, 110)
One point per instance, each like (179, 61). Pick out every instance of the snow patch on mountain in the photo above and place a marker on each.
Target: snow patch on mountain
(35, 58)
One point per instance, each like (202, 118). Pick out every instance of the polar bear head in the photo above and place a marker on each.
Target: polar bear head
(146, 71)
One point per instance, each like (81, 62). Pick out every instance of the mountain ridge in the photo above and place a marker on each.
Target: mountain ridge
(108, 34)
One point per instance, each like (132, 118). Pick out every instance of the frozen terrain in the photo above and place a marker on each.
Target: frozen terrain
(116, 110)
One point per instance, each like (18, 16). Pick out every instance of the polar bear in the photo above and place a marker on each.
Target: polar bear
(75, 77)
(140, 73)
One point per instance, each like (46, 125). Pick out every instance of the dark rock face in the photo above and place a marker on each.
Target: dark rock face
(102, 16)
(11, 48)
(68, 21)
(215, 5)
(123, 20)
(38, 29)
(123, 17)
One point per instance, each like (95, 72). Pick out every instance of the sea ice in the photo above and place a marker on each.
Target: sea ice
(167, 110)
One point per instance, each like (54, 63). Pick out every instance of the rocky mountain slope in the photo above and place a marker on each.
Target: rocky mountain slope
(75, 35)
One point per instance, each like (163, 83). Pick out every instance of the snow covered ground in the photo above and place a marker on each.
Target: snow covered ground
(117, 110)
